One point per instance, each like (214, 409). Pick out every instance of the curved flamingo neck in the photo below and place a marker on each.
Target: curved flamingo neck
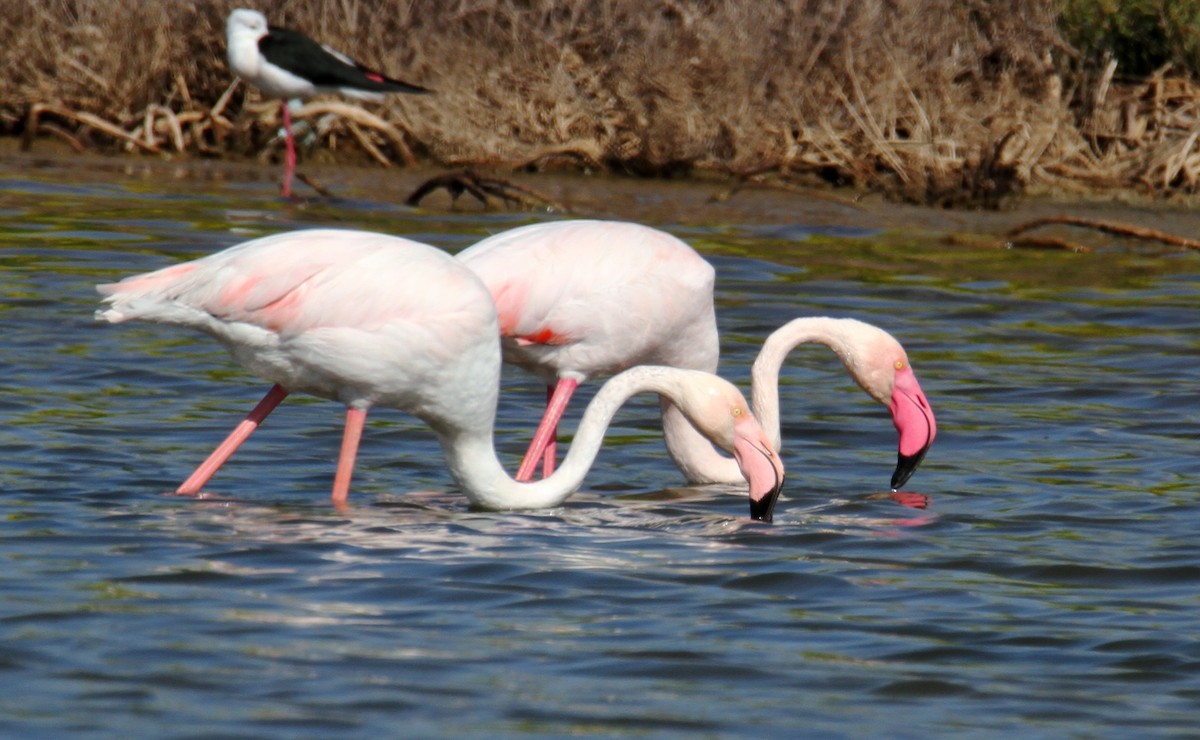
(764, 376)
(471, 454)
(698, 459)
(692, 453)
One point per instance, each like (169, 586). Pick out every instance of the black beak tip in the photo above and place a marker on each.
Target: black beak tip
(906, 465)
(763, 510)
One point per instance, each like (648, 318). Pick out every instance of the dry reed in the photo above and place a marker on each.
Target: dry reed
(948, 102)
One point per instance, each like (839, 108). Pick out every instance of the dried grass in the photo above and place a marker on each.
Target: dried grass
(950, 102)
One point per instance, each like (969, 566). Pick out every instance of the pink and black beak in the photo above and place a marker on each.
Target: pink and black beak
(914, 420)
(763, 508)
(761, 466)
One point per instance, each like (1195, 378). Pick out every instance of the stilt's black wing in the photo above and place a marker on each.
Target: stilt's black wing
(305, 58)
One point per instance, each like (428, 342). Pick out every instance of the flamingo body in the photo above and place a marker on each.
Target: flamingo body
(291, 308)
(369, 319)
(582, 299)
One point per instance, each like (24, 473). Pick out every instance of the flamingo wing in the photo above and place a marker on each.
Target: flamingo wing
(328, 312)
(596, 297)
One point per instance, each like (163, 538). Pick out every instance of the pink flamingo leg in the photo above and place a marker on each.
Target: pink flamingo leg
(240, 433)
(547, 429)
(355, 419)
(290, 159)
(550, 454)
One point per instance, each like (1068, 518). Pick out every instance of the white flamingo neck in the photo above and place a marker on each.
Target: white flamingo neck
(472, 460)
(698, 459)
(837, 334)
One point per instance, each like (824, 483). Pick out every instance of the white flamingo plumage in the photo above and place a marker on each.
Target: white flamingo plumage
(368, 319)
(581, 299)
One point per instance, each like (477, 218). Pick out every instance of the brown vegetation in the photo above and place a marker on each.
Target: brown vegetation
(950, 102)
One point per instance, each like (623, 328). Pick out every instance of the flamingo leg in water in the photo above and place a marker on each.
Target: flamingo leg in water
(355, 419)
(550, 454)
(240, 433)
(290, 158)
(548, 428)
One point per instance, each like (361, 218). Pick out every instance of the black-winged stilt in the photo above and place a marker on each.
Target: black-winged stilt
(286, 64)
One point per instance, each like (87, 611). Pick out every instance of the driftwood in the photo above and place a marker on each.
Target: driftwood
(483, 189)
(1046, 242)
(1108, 227)
(356, 115)
(323, 192)
(37, 110)
(158, 127)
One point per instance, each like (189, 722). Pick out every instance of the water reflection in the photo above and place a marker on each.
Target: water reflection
(1047, 587)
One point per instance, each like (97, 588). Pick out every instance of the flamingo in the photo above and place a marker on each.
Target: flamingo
(287, 64)
(369, 319)
(580, 299)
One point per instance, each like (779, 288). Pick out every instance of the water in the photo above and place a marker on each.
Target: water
(1051, 587)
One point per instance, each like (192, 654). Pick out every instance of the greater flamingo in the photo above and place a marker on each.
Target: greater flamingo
(286, 64)
(579, 299)
(368, 319)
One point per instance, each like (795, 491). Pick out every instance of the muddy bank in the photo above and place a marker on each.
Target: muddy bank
(359, 191)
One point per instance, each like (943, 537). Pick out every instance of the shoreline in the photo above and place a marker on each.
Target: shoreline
(681, 203)
(919, 101)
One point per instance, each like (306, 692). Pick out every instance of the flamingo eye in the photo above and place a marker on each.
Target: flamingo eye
(737, 411)
(899, 364)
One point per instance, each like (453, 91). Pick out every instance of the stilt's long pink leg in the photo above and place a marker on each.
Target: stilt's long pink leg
(355, 419)
(290, 158)
(240, 433)
(548, 428)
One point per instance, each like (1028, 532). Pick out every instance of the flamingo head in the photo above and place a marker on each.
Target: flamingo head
(718, 409)
(880, 366)
(913, 417)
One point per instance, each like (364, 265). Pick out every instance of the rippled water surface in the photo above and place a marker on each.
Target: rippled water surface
(1050, 588)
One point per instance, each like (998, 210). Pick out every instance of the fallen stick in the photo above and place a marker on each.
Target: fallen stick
(367, 144)
(223, 101)
(1108, 227)
(87, 119)
(481, 188)
(313, 184)
(1046, 242)
(65, 135)
(363, 118)
(171, 121)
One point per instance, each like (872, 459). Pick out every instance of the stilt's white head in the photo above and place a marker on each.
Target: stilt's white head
(243, 29)
(245, 22)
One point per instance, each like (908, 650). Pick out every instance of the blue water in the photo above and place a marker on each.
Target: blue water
(1051, 587)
